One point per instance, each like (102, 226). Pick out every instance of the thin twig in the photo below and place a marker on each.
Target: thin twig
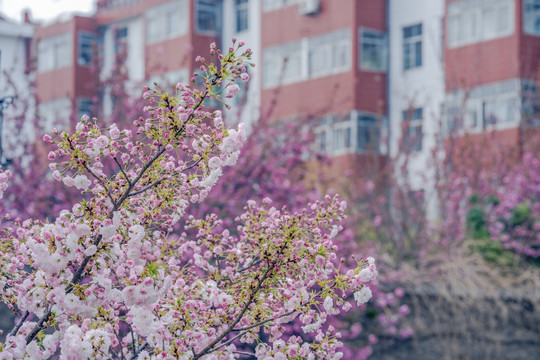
(244, 353)
(122, 170)
(100, 181)
(148, 187)
(254, 263)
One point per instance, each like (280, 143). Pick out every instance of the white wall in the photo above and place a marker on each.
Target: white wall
(14, 82)
(251, 110)
(135, 43)
(420, 87)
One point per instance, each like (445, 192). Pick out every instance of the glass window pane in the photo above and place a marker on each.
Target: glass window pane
(418, 54)
(207, 17)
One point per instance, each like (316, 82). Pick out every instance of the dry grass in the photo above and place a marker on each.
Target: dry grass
(465, 308)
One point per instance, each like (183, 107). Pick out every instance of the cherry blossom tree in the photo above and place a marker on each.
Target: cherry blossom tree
(107, 279)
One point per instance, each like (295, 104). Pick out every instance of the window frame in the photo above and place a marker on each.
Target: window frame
(338, 135)
(526, 28)
(211, 7)
(328, 45)
(380, 44)
(277, 64)
(511, 106)
(84, 110)
(241, 11)
(50, 47)
(334, 46)
(369, 126)
(413, 42)
(413, 133)
(92, 38)
(121, 38)
(160, 21)
(482, 29)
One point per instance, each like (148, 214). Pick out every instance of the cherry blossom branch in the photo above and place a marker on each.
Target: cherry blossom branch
(78, 274)
(21, 321)
(138, 351)
(245, 329)
(238, 317)
(146, 188)
(38, 327)
(100, 181)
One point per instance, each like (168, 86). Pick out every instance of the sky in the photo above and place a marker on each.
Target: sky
(43, 10)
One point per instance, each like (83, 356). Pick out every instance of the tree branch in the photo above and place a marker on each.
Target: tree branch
(238, 317)
(21, 321)
(100, 181)
(138, 351)
(122, 170)
(148, 187)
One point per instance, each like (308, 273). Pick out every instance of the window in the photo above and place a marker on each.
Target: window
(367, 134)
(470, 21)
(242, 10)
(498, 111)
(86, 43)
(55, 113)
(120, 39)
(329, 53)
(207, 16)
(282, 64)
(54, 52)
(308, 58)
(322, 142)
(412, 46)
(531, 17)
(84, 107)
(412, 129)
(169, 79)
(454, 120)
(354, 133)
(166, 21)
(372, 50)
(341, 138)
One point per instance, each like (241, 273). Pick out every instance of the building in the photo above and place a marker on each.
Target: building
(151, 40)
(64, 73)
(15, 81)
(327, 60)
(492, 61)
(374, 78)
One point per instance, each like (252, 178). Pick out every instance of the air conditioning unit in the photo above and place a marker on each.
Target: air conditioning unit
(309, 7)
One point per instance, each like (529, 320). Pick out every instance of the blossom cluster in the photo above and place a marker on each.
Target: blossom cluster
(108, 279)
(4, 176)
(513, 212)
